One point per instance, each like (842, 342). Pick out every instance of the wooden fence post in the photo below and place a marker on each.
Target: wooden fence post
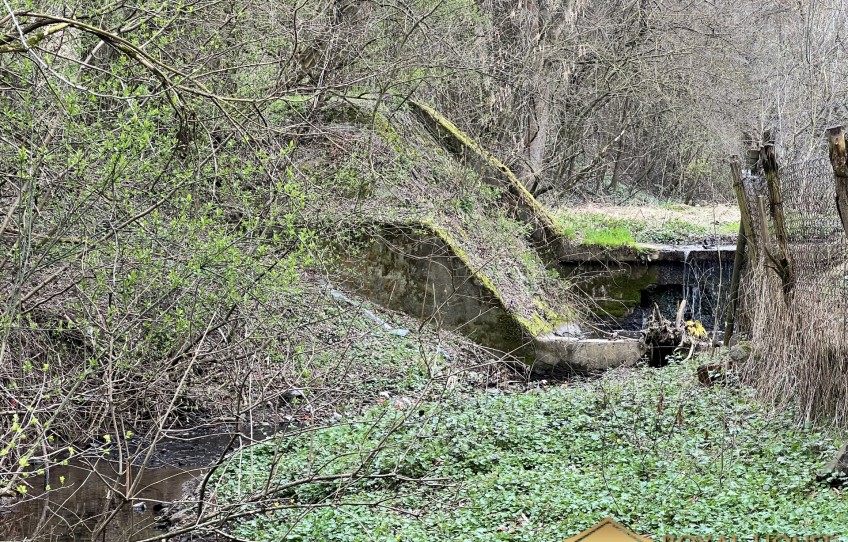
(745, 224)
(781, 261)
(745, 228)
(839, 163)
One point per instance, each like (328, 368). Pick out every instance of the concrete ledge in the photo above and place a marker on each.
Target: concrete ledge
(420, 270)
(570, 354)
(646, 253)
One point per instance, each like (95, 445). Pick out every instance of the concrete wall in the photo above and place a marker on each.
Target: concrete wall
(413, 270)
(624, 292)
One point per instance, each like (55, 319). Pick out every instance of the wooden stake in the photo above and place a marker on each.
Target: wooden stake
(738, 263)
(839, 163)
(745, 223)
(782, 261)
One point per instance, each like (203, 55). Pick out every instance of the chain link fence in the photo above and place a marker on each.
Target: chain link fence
(818, 247)
(797, 321)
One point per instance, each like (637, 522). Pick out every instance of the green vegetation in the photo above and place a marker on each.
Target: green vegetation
(608, 237)
(184, 185)
(604, 230)
(648, 447)
(385, 356)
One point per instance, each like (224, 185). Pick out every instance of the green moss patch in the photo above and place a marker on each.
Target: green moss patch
(546, 232)
(623, 291)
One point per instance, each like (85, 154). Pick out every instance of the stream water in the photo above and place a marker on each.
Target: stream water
(83, 504)
(78, 509)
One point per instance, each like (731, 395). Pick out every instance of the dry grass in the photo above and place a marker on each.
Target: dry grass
(799, 341)
(800, 348)
(707, 215)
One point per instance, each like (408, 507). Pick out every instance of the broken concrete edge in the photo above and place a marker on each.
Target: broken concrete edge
(645, 253)
(547, 234)
(432, 116)
(542, 320)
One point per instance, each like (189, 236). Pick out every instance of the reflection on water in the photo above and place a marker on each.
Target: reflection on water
(85, 502)
(77, 509)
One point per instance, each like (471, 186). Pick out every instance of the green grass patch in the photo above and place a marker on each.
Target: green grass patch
(650, 448)
(598, 229)
(608, 237)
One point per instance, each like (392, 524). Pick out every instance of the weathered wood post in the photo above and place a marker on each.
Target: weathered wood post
(839, 163)
(745, 229)
(780, 260)
(746, 224)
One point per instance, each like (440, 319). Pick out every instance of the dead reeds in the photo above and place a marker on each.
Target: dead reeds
(798, 335)
(800, 350)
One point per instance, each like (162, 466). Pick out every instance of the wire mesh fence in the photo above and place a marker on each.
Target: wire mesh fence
(796, 319)
(818, 247)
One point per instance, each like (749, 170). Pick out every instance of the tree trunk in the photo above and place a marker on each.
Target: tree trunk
(744, 206)
(540, 36)
(536, 136)
(538, 107)
(616, 169)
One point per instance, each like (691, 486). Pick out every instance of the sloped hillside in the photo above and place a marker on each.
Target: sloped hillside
(387, 183)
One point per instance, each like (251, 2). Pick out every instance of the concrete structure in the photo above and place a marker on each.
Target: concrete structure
(416, 270)
(579, 355)
(624, 290)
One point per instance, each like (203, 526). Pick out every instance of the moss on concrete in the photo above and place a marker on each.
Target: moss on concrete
(535, 325)
(542, 318)
(623, 292)
(481, 231)
(467, 142)
(448, 240)
(547, 234)
(497, 324)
